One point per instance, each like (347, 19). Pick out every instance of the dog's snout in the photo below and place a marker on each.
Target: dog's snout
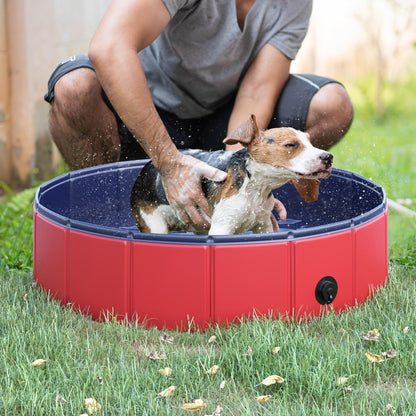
(326, 159)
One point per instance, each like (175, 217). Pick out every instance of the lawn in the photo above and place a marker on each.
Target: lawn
(323, 361)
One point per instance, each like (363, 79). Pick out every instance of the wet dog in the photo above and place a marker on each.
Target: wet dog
(244, 200)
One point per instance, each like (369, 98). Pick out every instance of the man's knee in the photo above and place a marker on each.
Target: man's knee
(333, 103)
(330, 115)
(77, 89)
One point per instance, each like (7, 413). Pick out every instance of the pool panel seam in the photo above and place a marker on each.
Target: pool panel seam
(292, 278)
(354, 266)
(67, 264)
(210, 304)
(128, 272)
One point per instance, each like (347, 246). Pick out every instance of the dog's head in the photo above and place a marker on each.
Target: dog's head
(286, 148)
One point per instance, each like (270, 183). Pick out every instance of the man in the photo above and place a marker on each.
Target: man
(169, 74)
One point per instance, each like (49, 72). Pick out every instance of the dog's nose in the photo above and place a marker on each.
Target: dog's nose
(326, 159)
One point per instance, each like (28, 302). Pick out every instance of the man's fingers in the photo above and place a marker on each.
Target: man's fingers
(210, 172)
(202, 203)
(183, 214)
(197, 218)
(280, 209)
(182, 183)
(274, 223)
(192, 213)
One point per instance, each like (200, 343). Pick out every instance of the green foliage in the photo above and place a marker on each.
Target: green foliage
(407, 256)
(16, 230)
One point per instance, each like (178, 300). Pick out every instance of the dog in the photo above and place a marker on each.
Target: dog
(244, 200)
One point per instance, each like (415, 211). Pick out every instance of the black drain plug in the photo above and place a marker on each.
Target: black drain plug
(326, 290)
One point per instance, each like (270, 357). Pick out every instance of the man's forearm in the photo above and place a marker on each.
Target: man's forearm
(126, 86)
(260, 88)
(128, 27)
(245, 106)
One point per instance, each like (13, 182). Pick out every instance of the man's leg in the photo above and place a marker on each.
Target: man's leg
(82, 125)
(317, 105)
(86, 128)
(330, 115)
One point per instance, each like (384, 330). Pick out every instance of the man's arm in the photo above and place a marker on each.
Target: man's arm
(128, 27)
(260, 89)
(258, 94)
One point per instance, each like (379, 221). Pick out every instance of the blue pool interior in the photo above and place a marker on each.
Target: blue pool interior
(97, 200)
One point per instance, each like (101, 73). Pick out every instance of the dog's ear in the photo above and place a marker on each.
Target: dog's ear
(246, 133)
(308, 189)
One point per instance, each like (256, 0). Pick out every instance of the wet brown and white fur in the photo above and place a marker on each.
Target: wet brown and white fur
(244, 200)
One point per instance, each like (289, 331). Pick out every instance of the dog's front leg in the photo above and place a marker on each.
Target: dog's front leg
(225, 225)
(264, 226)
(266, 222)
(230, 216)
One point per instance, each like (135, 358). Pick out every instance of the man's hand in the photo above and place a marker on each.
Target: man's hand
(181, 178)
(281, 210)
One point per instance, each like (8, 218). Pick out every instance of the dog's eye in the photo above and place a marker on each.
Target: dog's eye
(292, 145)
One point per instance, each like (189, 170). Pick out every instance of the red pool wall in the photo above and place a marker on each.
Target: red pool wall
(177, 285)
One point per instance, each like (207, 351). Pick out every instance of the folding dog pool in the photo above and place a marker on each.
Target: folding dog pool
(331, 253)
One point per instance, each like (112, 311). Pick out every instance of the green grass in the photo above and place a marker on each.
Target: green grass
(313, 354)
(384, 151)
(312, 357)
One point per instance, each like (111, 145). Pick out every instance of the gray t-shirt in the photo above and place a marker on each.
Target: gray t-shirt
(197, 62)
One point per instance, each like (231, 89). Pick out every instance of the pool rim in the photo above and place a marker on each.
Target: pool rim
(190, 239)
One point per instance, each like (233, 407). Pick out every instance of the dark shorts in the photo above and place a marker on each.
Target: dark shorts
(207, 132)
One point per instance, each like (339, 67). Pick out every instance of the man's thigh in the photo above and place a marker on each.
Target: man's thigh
(293, 105)
(291, 110)
(207, 132)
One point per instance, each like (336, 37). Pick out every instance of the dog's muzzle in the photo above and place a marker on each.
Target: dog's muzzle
(327, 159)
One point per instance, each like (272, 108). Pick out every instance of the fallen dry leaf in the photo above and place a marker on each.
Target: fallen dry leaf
(92, 406)
(212, 339)
(39, 363)
(406, 329)
(167, 392)
(372, 335)
(268, 381)
(197, 405)
(341, 381)
(60, 398)
(25, 297)
(389, 354)
(249, 351)
(165, 371)
(213, 370)
(222, 385)
(263, 399)
(374, 358)
(275, 350)
(217, 412)
(167, 338)
(348, 389)
(156, 356)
